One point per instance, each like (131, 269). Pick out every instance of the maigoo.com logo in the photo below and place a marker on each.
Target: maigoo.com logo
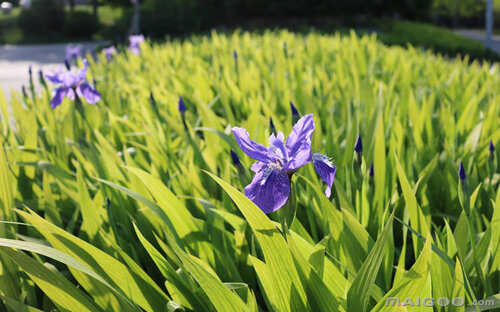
(440, 302)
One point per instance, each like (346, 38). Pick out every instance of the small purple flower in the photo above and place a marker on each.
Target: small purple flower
(71, 83)
(358, 146)
(73, 52)
(181, 105)
(370, 171)
(235, 158)
(461, 172)
(135, 43)
(275, 165)
(235, 55)
(109, 52)
(30, 71)
(491, 147)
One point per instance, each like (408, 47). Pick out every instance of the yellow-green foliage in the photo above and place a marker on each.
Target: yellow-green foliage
(119, 208)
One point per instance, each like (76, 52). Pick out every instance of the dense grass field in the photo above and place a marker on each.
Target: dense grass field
(122, 206)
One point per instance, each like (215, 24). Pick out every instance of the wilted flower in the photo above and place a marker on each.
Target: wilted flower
(109, 52)
(135, 43)
(461, 172)
(70, 83)
(270, 187)
(73, 52)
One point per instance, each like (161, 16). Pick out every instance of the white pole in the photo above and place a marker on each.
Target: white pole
(489, 22)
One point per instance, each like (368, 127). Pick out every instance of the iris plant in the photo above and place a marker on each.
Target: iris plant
(73, 53)
(109, 52)
(135, 43)
(270, 187)
(71, 83)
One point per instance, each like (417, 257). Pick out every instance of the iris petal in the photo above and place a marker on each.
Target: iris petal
(277, 146)
(326, 170)
(83, 72)
(251, 148)
(90, 94)
(258, 166)
(269, 189)
(298, 143)
(58, 96)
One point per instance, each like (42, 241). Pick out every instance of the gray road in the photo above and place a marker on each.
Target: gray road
(15, 60)
(480, 36)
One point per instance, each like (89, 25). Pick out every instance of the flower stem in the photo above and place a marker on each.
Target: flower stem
(287, 213)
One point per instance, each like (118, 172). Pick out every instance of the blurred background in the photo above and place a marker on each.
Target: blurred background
(418, 22)
(45, 21)
(30, 28)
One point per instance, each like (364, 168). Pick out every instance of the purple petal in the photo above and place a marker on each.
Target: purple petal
(251, 148)
(136, 50)
(302, 156)
(136, 39)
(58, 96)
(277, 147)
(83, 72)
(326, 170)
(109, 52)
(269, 189)
(55, 77)
(298, 143)
(258, 166)
(71, 94)
(73, 52)
(85, 90)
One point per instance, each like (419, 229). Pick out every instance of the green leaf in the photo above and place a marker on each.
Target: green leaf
(359, 293)
(138, 287)
(53, 284)
(288, 293)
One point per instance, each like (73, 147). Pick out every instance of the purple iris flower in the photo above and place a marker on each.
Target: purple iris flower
(109, 52)
(70, 83)
(275, 165)
(370, 171)
(73, 52)
(135, 43)
(491, 147)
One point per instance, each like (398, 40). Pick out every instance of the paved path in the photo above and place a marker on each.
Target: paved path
(15, 60)
(481, 37)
